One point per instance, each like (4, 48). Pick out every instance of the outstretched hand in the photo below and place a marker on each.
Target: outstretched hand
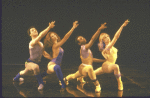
(52, 24)
(75, 24)
(125, 23)
(103, 26)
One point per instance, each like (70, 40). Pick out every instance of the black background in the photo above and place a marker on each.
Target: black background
(133, 43)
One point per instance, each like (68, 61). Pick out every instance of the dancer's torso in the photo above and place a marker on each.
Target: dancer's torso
(111, 55)
(36, 52)
(86, 56)
(57, 60)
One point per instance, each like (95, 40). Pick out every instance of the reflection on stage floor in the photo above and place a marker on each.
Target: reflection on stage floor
(136, 83)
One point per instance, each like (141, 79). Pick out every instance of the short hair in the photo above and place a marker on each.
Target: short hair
(76, 41)
(28, 31)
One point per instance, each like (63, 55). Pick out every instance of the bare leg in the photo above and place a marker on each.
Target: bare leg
(108, 68)
(73, 76)
(50, 68)
(118, 76)
(18, 77)
(81, 79)
(99, 71)
(89, 70)
(36, 70)
(32, 67)
(24, 72)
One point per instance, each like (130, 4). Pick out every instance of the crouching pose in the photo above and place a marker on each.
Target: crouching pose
(36, 51)
(54, 43)
(86, 68)
(106, 46)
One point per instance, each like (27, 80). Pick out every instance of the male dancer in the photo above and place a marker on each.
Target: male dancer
(36, 51)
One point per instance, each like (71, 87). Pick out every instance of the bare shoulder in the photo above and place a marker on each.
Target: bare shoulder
(30, 44)
(114, 48)
(41, 43)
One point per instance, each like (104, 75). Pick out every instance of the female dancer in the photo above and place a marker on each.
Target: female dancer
(86, 56)
(53, 42)
(106, 46)
(36, 51)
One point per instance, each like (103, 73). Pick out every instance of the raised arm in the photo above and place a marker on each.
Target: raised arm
(43, 33)
(67, 35)
(117, 35)
(46, 55)
(95, 36)
(98, 60)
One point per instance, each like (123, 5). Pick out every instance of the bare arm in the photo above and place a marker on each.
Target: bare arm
(43, 33)
(95, 36)
(46, 55)
(104, 54)
(67, 35)
(117, 35)
(98, 60)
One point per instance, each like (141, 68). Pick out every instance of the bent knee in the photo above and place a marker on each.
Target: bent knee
(73, 76)
(36, 68)
(90, 68)
(22, 72)
(116, 67)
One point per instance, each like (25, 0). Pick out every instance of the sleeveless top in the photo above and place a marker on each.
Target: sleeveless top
(58, 59)
(36, 52)
(112, 55)
(86, 56)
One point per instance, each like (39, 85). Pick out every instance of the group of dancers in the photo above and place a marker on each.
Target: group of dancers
(53, 43)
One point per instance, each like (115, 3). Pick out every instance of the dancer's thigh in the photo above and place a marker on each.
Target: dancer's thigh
(108, 67)
(50, 67)
(86, 69)
(31, 66)
(99, 71)
(77, 74)
(28, 70)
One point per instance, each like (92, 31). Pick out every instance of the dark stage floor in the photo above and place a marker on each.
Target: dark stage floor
(136, 83)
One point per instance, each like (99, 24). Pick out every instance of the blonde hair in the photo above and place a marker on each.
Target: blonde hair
(101, 44)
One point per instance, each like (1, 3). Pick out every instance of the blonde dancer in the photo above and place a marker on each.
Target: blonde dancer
(106, 46)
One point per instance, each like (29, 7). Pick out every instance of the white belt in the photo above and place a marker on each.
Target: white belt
(86, 64)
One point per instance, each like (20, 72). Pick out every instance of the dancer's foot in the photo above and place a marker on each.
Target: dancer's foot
(120, 85)
(65, 80)
(60, 82)
(20, 79)
(41, 86)
(98, 89)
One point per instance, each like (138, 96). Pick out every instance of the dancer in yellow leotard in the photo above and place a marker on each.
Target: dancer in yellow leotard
(106, 46)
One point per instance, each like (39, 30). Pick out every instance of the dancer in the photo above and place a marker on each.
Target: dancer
(106, 46)
(36, 51)
(53, 42)
(86, 56)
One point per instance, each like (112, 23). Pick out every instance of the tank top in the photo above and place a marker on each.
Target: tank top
(86, 56)
(36, 52)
